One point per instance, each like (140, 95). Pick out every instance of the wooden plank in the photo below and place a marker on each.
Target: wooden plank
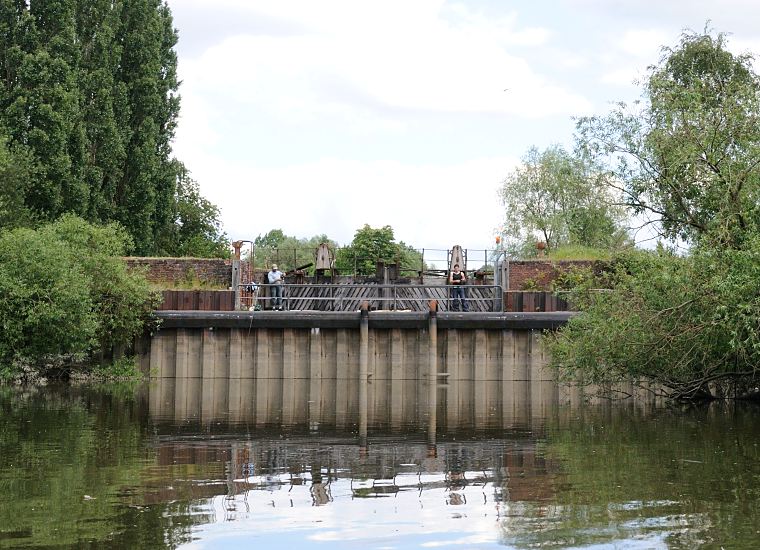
(169, 300)
(203, 300)
(227, 300)
(184, 300)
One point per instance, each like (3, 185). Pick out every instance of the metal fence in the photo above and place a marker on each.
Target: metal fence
(348, 297)
(427, 260)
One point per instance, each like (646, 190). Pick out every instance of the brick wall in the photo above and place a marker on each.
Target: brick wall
(216, 272)
(210, 271)
(523, 274)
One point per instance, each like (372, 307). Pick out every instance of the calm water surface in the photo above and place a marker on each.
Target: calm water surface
(107, 467)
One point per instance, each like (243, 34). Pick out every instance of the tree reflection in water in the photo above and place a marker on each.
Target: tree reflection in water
(92, 467)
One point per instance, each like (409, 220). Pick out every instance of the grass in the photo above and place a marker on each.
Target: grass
(577, 252)
(187, 284)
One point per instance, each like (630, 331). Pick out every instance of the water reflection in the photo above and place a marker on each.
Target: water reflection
(119, 467)
(474, 405)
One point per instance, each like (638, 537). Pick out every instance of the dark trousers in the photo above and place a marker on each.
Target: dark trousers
(458, 302)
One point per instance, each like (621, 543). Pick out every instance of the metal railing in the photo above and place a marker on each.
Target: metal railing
(428, 260)
(348, 297)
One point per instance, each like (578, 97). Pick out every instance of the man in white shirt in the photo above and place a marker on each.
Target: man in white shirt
(276, 280)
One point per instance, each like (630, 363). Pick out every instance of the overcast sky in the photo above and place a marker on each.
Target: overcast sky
(318, 116)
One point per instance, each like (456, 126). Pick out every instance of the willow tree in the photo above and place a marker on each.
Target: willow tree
(558, 198)
(689, 154)
(691, 158)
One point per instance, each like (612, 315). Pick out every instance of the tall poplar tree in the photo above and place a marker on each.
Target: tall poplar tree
(148, 71)
(41, 103)
(89, 106)
(101, 98)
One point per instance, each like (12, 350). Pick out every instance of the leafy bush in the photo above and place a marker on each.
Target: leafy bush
(688, 324)
(64, 291)
(45, 303)
(576, 277)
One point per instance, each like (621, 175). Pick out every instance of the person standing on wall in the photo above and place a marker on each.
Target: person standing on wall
(276, 280)
(458, 279)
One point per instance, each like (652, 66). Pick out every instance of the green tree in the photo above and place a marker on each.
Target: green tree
(688, 324)
(16, 175)
(287, 251)
(89, 102)
(371, 245)
(45, 304)
(64, 290)
(148, 71)
(122, 300)
(41, 103)
(102, 98)
(196, 230)
(688, 154)
(560, 199)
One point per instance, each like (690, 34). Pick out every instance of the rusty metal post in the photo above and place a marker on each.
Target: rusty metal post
(432, 372)
(236, 245)
(363, 368)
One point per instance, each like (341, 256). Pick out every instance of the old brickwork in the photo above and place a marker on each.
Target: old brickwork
(217, 273)
(212, 272)
(539, 274)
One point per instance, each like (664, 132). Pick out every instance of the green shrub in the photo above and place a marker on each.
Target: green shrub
(65, 291)
(686, 324)
(45, 302)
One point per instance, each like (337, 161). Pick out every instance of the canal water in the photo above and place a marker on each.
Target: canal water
(121, 466)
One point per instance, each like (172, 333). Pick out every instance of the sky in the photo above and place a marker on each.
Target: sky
(320, 116)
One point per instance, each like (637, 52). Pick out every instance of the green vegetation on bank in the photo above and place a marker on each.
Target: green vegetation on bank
(688, 157)
(688, 323)
(65, 292)
(579, 252)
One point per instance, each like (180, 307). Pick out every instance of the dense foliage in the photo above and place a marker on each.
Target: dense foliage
(196, 231)
(560, 199)
(688, 155)
(64, 291)
(286, 251)
(88, 109)
(690, 158)
(687, 324)
(371, 245)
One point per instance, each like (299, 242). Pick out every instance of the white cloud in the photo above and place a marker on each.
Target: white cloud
(395, 71)
(625, 76)
(631, 52)
(644, 43)
(428, 205)
(332, 102)
(395, 58)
